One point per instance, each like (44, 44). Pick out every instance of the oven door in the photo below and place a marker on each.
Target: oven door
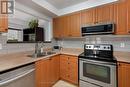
(98, 72)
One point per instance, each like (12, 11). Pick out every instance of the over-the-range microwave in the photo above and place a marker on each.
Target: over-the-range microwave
(98, 29)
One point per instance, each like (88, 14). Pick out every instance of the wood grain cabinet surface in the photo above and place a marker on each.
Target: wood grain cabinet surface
(105, 13)
(69, 68)
(67, 26)
(88, 17)
(100, 14)
(120, 10)
(47, 72)
(3, 20)
(128, 14)
(3, 23)
(123, 74)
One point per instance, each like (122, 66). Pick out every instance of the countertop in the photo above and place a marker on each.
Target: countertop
(13, 60)
(10, 61)
(122, 56)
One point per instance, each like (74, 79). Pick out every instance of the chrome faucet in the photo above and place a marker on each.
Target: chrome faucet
(38, 51)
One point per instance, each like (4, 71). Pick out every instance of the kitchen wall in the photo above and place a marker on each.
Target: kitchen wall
(120, 43)
(16, 47)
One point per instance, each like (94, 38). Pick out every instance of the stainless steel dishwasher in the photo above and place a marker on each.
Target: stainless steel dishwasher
(19, 77)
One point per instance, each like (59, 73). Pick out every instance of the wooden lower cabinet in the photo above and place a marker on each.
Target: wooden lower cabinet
(69, 68)
(47, 72)
(123, 74)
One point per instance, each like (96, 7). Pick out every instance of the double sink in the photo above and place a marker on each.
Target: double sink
(42, 54)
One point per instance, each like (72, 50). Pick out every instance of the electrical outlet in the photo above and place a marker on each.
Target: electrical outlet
(122, 45)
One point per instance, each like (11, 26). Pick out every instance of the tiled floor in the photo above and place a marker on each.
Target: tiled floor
(63, 84)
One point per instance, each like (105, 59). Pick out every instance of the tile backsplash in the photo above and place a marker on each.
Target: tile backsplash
(120, 43)
(16, 47)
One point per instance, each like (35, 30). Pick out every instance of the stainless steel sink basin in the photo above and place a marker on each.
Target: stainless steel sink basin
(42, 54)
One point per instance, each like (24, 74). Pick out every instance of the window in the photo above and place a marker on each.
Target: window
(14, 35)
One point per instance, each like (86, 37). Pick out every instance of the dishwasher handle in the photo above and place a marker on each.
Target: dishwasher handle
(3, 82)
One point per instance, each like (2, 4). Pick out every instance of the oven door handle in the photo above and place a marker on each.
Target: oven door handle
(99, 62)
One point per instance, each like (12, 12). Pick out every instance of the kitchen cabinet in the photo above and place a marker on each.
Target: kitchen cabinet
(56, 27)
(128, 13)
(104, 14)
(101, 14)
(88, 17)
(69, 68)
(47, 72)
(67, 26)
(3, 23)
(123, 74)
(75, 22)
(120, 17)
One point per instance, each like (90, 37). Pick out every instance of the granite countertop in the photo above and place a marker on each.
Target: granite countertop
(122, 56)
(13, 60)
(10, 61)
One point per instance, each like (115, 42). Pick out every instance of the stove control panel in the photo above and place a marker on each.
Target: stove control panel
(106, 47)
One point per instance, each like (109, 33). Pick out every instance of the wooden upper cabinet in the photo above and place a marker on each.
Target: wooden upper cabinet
(56, 27)
(3, 23)
(105, 13)
(88, 16)
(128, 19)
(120, 17)
(101, 14)
(67, 26)
(3, 20)
(123, 75)
(75, 22)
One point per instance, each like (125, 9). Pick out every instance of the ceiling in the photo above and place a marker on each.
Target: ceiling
(34, 6)
(60, 4)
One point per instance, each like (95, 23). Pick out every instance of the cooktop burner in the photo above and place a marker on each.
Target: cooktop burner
(93, 57)
(102, 52)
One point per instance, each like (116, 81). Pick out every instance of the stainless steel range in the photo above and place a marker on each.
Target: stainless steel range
(97, 66)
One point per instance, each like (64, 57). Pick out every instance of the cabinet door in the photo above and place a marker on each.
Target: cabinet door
(75, 22)
(121, 17)
(73, 69)
(104, 14)
(128, 19)
(55, 68)
(88, 17)
(43, 74)
(123, 75)
(57, 27)
(64, 73)
(3, 23)
(65, 26)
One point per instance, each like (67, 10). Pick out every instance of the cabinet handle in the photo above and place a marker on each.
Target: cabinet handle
(119, 64)
(129, 32)
(50, 58)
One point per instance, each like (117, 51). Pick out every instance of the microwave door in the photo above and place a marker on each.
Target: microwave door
(99, 29)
